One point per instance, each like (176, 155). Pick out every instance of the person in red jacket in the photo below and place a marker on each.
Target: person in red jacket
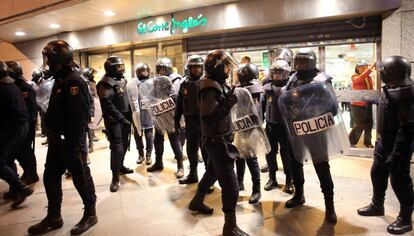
(362, 111)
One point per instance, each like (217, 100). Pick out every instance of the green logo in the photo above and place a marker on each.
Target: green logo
(173, 26)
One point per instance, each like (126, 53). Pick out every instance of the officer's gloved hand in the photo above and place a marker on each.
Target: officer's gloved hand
(125, 122)
(230, 101)
(393, 161)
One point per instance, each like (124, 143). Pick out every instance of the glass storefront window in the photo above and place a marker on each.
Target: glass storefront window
(97, 61)
(126, 56)
(175, 54)
(146, 55)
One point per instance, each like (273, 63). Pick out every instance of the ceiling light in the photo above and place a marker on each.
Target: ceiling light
(54, 26)
(20, 33)
(109, 13)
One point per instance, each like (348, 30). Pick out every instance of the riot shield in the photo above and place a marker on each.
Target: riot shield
(147, 121)
(43, 94)
(250, 137)
(132, 90)
(159, 93)
(314, 123)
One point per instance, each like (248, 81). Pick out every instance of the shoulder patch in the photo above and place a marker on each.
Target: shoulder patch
(74, 90)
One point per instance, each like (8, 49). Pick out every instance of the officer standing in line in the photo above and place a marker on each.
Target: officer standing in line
(25, 154)
(164, 68)
(306, 72)
(89, 74)
(248, 74)
(142, 72)
(66, 121)
(216, 128)
(14, 128)
(117, 115)
(394, 148)
(189, 106)
(275, 129)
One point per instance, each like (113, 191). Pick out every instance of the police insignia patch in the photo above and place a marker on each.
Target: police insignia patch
(25, 94)
(185, 92)
(73, 90)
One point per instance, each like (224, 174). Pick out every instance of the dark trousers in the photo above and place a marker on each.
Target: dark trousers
(221, 155)
(401, 181)
(174, 142)
(118, 137)
(324, 176)
(363, 122)
(193, 135)
(91, 136)
(25, 153)
(276, 133)
(149, 140)
(10, 141)
(62, 156)
(254, 169)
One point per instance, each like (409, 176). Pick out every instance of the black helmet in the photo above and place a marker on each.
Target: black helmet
(279, 71)
(142, 71)
(15, 69)
(247, 72)
(194, 60)
(89, 72)
(3, 70)
(114, 66)
(166, 64)
(359, 64)
(395, 70)
(304, 59)
(215, 65)
(284, 54)
(58, 53)
(37, 76)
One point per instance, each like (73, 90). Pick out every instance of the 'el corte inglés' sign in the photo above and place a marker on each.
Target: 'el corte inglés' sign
(172, 26)
(314, 125)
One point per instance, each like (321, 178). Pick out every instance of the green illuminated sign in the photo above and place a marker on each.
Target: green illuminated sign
(172, 26)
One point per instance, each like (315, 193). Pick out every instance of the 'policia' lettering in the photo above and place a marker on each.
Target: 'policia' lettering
(314, 125)
(243, 124)
(162, 107)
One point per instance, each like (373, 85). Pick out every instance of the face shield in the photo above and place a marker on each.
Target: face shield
(279, 74)
(304, 62)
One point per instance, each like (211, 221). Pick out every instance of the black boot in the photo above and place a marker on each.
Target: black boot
(115, 183)
(197, 204)
(140, 157)
(126, 170)
(191, 178)
(296, 200)
(330, 215)
(10, 195)
(230, 226)
(375, 208)
(288, 186)
(22, 192)
(264, 168)
(271, 184)
(31, 178)
(52, 221)
(401, 225)
(255, 197)
(88, 220)
(148, 160)
(158, 165)
(180, 169)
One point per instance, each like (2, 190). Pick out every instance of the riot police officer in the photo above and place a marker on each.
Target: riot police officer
(393, 150)
(66, 121)
(216, 101)
(116, 112)
(14, 128)
(306, 72)
(89, 74)
(248, 74)
(164, 68)
(188, 105)
(275, 129)
(142, 72)
(26, 155)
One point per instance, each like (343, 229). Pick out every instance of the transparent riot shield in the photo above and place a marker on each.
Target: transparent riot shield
(132, 90)
(250, 137)
(314, 123)
(43, 94)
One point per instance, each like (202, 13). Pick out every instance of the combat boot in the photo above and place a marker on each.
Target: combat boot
(22, 192)
(197, 204)
(191, 178)
(52, 221)
(148, 160)
(297, 199)
(271, 183)
(375, 208)
(114, 187)
(157, 166)
(88, 220)
(140, 157)
(402, 224)
(125, 170)
(288, 188)
(180, 169)
(230, 226)
(330, 214)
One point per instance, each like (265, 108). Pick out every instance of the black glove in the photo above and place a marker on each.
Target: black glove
(231, 99)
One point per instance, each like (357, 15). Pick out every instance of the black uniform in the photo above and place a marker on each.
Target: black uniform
(116, 112)
(189, 106)
(66, 121)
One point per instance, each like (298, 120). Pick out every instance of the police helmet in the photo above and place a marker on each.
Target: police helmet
(394, 70)
(247, 72)
(284, 54)
(304, 59)
(216, 63)
(194, 60)
(279, 71)
(15, 69)
(114, 66)
(58, 53)
(89, 72)
(164, 66)
(142, 71)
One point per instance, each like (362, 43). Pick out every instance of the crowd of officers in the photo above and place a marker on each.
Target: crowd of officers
(203, 102)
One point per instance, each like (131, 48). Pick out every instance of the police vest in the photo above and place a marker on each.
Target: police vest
(223, 126)
(256, 91)
(272, 94)
(189, 93)
(120, 100)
